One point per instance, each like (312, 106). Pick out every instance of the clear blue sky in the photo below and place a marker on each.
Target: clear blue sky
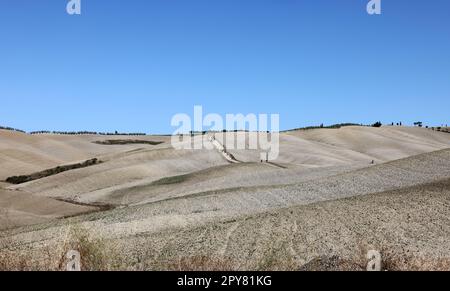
(130, 65)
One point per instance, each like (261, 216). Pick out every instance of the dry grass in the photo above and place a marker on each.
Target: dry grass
(11, 260)
(96, 254)
(394, 262)
(201, 263)
(390, 262)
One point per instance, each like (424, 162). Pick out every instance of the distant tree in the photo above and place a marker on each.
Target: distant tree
(377, 124)
(11, 129)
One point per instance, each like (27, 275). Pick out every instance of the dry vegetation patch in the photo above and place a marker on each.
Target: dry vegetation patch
(127, 141)
(51, 172)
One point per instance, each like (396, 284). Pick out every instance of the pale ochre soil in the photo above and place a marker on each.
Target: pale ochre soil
(324, 199)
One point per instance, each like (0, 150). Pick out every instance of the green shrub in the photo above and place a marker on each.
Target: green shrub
(377, 124)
